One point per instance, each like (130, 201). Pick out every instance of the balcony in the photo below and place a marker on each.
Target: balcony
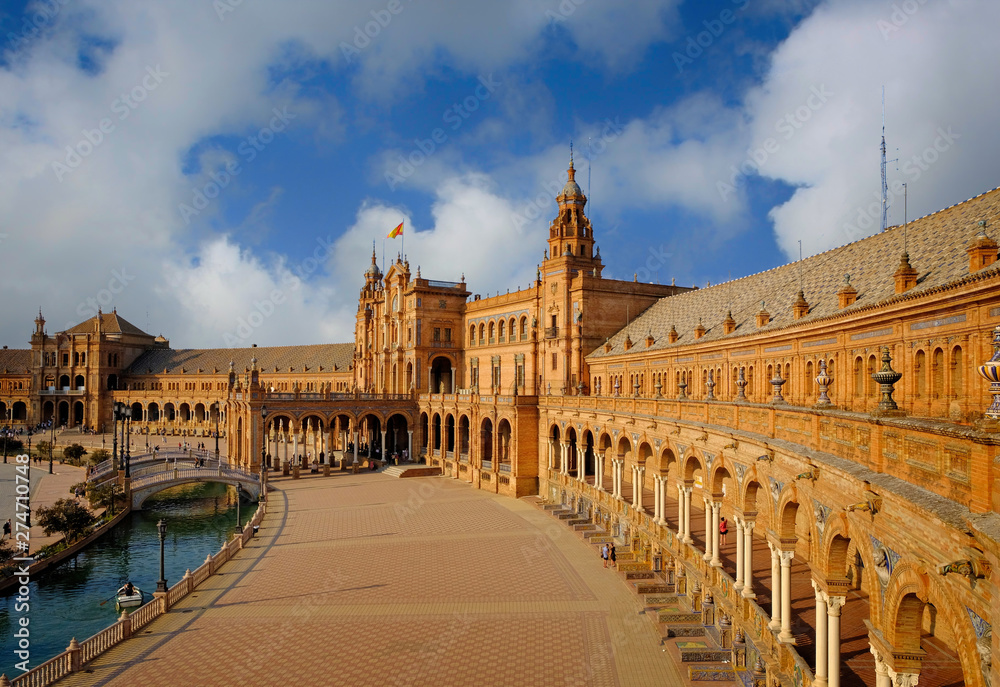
(551, 332)
(487, 465)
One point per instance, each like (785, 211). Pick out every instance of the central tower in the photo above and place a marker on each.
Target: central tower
(570, 235)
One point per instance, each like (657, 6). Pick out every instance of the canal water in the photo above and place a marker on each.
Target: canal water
(66, 600)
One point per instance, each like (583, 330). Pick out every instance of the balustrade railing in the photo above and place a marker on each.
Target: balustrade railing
(77, 655)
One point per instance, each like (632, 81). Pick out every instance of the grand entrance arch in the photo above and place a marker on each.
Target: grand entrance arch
(397, 436)
(442, 376)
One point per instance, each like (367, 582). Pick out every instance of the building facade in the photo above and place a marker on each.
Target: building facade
(832, 410)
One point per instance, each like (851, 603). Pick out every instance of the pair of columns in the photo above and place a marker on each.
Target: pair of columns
(827, 637)
(781, 601)
(617, 478)
(713, 511)
(744, 557)
(684, 507)
(638, 477)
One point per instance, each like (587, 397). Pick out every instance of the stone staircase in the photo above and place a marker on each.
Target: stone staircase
(701, 649)
(410, 471)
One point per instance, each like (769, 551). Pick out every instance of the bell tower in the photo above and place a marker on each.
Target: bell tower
(570, 234)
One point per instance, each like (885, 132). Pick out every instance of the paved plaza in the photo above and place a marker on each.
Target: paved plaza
(372, 580)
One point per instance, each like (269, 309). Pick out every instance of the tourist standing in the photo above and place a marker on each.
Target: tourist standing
(723, 531)
(6, 530)
(613, 556)
(604, 554)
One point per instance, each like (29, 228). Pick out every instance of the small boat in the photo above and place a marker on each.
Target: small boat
(125, 600)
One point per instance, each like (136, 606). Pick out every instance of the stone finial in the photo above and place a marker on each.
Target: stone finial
(763, 316)
(658, 387)
(729, 324)
(982, 249)
(699, 331)
(710, 386)
(886, 378)
(672, 335)
(800, 308)
(847, 295)
(777, 382)
(741, 385)
(905, 276)
(824, 380)
(682, 387)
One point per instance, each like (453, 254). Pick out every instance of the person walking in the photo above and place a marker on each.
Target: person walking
(604, 554)
(723, 531)
(613, 556)
(6, 530)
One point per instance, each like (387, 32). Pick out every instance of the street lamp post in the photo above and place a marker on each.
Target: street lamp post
(6, 432)
(263, 449)
(161, 584)
(218, 411)
(126, 428)
(52, 444)
(239, 527)
(30, 433)
(115, 410)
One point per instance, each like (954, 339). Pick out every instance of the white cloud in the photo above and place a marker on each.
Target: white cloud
(936, 62)
(178, 74)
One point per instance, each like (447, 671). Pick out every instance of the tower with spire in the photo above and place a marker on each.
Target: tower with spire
(571, 236)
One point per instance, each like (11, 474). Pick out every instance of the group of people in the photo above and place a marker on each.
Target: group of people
(608, 553)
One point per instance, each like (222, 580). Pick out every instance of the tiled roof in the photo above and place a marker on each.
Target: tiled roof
(15, 360)
(936, 245)
(111, 323)
(298, 358)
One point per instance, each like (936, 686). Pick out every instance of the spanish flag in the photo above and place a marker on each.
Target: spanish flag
(395, 232)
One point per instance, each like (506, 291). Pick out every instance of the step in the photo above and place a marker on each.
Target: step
(577, 522)
(678, 617)
(654, 588)
(598, 538)
(629, 566)
(685, 631)
(552, 506)
(710, 674)
(585, 526)
(565, 515)
(706, 656)
(640, 575)
(653, 600)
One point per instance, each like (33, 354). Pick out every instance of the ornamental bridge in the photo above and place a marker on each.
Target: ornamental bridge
(155, 472)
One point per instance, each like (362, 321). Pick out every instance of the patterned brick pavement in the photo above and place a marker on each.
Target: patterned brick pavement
(371, 580)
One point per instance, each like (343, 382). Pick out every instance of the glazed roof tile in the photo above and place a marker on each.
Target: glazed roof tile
(295, 358)
(936, 244)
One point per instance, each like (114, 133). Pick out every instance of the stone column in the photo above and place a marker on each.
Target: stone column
(748, 560)
(738, 585)
(621, 479)
(786, 598)
(382, 447)
(882, 678)
(322, 447)
(716, 535)
(775, 623)
(409, 444)
(821, 637)
(687, 515)
(295, 446)
(707, 556)
(903, 679)
(564, 463)
(285, 442)
(656, 498)
(833, 606)
(453, 380)
(598, 471)
(551, 453)
(680, 512)
(355, 447)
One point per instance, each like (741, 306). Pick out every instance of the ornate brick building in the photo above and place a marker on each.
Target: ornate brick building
(864, 524)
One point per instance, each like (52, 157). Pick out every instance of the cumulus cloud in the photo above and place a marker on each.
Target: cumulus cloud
(935, 60)
(119, 112)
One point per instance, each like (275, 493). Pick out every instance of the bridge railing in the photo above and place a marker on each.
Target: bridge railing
(186, 472)
(77, 655)
(105, 468)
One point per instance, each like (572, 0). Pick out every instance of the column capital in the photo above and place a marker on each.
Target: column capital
(716, 506)
(903, 679)
(834, 603)
(786, 557)
(881, 667)
(748, 524)
(818, 588)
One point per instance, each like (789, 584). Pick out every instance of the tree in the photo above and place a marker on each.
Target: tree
(73, 453)
(66, 516)
(99, 455)
(42, 449)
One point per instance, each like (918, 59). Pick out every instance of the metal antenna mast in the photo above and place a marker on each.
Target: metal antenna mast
(885, 184)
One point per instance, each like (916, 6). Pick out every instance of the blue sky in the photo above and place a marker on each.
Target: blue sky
(722, 134)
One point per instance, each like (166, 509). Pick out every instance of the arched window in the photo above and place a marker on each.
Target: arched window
(524, 328)
(956, 372)
(472, 335)
(493, 332)
(503, 327)
(859, 377)
(920, 374)
(482, 334)
(937, 373)
(512, 329)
